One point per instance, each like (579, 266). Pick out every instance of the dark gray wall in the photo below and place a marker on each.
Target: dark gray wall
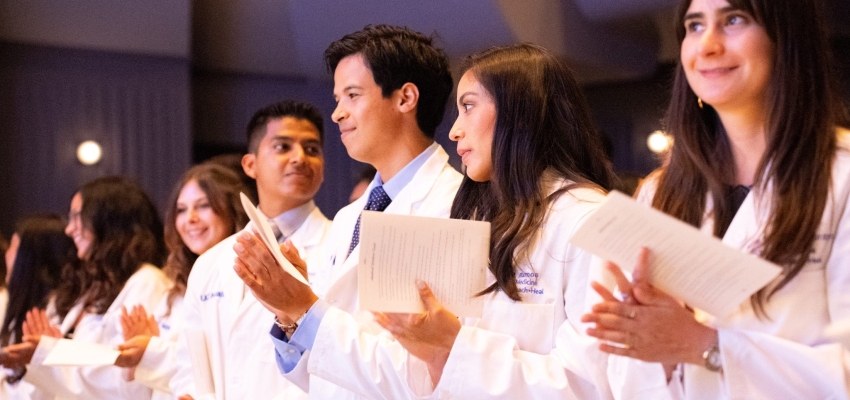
(51, 99)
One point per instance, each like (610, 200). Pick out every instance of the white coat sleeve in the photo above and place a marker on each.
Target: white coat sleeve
(99, 382)
(373, 365)
(158, 364)
(486, 364)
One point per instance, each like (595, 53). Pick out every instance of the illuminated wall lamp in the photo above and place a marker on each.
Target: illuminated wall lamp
(659, 142)
(89, 152)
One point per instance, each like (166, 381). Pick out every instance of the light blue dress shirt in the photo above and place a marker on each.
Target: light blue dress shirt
(288, 353)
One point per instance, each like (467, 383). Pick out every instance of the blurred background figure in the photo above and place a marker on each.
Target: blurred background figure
(367, 174)
(118, 236)
(42, 263)
(234, 163)
(204, 209)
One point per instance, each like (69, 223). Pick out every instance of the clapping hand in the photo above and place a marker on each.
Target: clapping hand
(279, 291)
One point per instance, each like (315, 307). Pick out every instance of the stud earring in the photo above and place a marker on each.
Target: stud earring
(699, 101)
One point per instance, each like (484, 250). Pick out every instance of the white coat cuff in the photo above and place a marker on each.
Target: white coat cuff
(149, 371)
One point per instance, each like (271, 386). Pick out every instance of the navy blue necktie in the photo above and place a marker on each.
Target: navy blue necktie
(378, 201)
(278, 235)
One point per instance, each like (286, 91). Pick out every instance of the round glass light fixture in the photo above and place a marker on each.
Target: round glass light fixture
(89, 152)
(659, 142)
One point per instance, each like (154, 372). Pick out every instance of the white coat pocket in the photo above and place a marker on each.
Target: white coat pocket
(530, 324)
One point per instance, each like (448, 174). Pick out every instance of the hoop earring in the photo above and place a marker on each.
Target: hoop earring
(699, 102)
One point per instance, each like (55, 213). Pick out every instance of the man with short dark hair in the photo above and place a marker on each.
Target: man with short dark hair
(391, 85)
(285, 157)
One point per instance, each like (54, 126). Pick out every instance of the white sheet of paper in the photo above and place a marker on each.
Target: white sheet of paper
(200, 358)
(450, 255)
(267, 236)
(77, 353)
(683, 261)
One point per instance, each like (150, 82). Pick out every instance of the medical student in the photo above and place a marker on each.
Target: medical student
(534, 171)
(118, 236)
(41, 262)
(204, 209)
(760, 160)
(534, 175)
(285, 157)
(391, 85)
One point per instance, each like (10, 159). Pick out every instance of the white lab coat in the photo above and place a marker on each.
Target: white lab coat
(786, 356)
(23, 390)
(159, 362)
(146, 287)
(236, 325)
(429, 193)
(531, 349)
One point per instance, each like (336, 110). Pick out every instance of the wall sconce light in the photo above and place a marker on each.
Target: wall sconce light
(89, 152)
(659, 142)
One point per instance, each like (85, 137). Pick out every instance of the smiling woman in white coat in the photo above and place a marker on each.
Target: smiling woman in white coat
(204, 209)
(760, 160)
(118, 236)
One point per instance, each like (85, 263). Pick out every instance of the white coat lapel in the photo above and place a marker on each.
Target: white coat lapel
(405, 203)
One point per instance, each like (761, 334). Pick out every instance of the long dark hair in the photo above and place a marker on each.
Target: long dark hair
(45, 266)
(542, 122)
(127, 233)
(222, 187)
(803, 112)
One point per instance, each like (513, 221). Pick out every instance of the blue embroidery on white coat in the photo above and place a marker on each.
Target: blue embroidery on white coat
(526, 282)
(205, 297)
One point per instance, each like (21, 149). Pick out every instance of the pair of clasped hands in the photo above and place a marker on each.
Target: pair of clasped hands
(646, 324)
(137, 328)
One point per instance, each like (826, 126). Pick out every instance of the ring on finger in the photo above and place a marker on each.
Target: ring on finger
(632, 313)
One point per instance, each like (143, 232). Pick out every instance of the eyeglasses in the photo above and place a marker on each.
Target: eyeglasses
(74, 217)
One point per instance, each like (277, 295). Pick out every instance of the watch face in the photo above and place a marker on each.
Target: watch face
(712, 359)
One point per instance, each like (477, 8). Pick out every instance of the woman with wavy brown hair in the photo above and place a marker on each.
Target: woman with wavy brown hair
(118, 235)
(204, 208)
(761, 160)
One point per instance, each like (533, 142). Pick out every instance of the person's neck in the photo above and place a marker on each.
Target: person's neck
(272, 209)
(746, 130)
(400, 153)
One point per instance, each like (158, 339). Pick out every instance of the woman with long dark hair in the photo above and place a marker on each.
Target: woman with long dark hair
(42, 264)
(204, 208)
(760, 160)
(118, 236)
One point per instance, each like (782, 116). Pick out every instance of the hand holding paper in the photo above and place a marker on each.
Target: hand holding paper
(429, 336)
(276, 289)
(267, 237)
(684, 262)
(395, 250)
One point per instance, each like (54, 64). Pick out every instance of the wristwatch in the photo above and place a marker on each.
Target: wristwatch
(289, 328)
(712, 360)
